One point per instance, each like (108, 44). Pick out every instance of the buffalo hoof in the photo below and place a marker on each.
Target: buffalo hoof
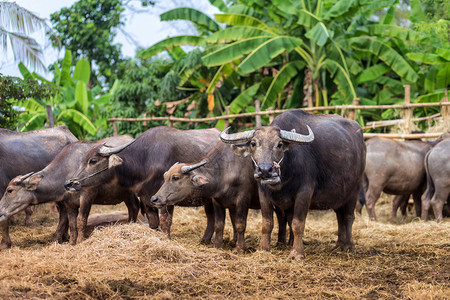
(350, 247)
(4, 245)
(28, 222)
(264, 247)
(296, 255)
(239, 251)
(205, 242)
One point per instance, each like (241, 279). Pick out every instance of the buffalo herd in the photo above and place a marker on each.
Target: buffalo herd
(300, 162)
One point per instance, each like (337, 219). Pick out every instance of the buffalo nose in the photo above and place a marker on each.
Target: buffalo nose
(266, 170)
(67, 184)
(154, 200)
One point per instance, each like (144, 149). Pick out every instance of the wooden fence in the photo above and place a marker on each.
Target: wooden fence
(348, 111)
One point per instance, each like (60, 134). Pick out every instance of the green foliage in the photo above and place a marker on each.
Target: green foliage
(87, 29)
(72, 101)
(12, 90)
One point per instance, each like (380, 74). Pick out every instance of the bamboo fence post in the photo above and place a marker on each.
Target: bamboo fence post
(352, 112)
(407, 112)
(270, 109)
(445, 109)
(115, 127)
(227, 113)
(258, 109)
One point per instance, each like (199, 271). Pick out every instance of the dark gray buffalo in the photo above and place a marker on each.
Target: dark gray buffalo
(48, 185)
(143, 165)
(397, 168)
(224, 177)
(24, 152)
(437, 165)
(304, 162)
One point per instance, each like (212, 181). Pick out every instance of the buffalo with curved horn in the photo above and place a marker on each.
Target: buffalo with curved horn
(296, 171)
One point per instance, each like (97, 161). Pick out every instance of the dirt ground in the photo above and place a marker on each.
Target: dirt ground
(401, 258)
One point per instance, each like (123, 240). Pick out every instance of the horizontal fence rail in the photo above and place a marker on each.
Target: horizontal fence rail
(348, 110)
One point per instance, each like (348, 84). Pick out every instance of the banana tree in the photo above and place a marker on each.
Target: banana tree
(73, 103)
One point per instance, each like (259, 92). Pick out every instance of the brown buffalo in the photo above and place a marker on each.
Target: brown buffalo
(48, 185)
(24, 152)
(303, 162)
(437, 165)
(224, 177)
(143, 165)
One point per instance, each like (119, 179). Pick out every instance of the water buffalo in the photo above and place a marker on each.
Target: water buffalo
(437, 165)
(48, 185)
(24, 152)
(143, 165)
(394, 167)
(322, 169)
(224, 177)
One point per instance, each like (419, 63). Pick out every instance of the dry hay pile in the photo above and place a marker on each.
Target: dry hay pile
(410, 260)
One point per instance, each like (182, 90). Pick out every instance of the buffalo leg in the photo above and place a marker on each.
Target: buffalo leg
(438, 201)
(209, 231)
(6, 240)
(372, 195)
(267, 221)
(399, 201)
(132, 204)
(219, 224)
(28, 216)
(426, 200)
(60, 234)
(233, 224)
(83, 214)
(165, 222)
(345, 217)
(282, 221)
(72, 213)
(417, 204)
(240, 219)
(302, 201)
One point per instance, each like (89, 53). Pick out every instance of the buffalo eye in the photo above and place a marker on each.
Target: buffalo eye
(93, 161)
(280, 144)
(253, 144)
(175, 178)
(9, 191)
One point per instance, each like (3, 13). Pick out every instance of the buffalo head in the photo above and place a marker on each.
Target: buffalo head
(180, 182)
(19, 195)
(95, 166)
(266, 145)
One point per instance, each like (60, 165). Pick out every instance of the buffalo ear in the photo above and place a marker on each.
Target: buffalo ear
(32, 182)
(199, 180)
(114, 161)
(241, 150)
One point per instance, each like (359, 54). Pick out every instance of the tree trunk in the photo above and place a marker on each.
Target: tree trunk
(307, 89)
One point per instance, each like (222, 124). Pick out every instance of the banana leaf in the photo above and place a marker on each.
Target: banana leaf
(242, 20)
(170, 43)
(193, 15)
(268, 50)
(237, 33)
(82, 71)
(233, 51)
(78, 118)
(388, 55)
(283, 77)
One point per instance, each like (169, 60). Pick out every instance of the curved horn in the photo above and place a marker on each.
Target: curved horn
(20, 179)
(297, 138)
(187, 169)
(105, 150)
(236, 138)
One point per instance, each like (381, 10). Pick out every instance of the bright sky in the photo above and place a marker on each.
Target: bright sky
(144, 27)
